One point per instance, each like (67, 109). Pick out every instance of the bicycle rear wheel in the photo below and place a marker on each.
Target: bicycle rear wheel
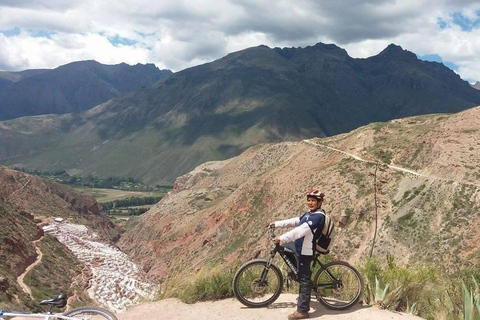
(251, 290)
(338, 285)
(90, 313)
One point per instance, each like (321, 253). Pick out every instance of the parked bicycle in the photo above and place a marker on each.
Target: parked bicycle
(258, 283)
(81, 313)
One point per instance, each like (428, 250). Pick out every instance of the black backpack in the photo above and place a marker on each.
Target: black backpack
(323, 238)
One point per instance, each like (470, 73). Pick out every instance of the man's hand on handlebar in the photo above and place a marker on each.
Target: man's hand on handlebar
(271, 227)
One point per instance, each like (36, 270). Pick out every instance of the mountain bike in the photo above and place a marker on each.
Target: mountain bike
(81, 313)
(258, 283)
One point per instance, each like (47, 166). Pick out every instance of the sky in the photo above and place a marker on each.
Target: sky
(177, 34)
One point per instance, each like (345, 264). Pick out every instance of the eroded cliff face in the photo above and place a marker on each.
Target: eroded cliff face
(425, 203)
(45, 200)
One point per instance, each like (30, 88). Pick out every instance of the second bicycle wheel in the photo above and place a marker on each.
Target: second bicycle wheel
(338, 285)
(256, 286)
(90, 313)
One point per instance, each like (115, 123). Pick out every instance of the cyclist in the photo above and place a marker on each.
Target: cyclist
(300, 241)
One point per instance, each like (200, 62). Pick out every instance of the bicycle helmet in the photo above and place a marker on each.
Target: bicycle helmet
(315, 193)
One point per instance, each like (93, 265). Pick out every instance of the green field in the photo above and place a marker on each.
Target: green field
(106, 195)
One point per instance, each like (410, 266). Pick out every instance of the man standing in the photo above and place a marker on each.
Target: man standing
(301, 241)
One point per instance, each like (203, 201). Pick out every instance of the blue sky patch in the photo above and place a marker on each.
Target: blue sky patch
(442, 24)
(435, 57)
(12, 32)
(117, 40)
(42, 34)
(465, 23)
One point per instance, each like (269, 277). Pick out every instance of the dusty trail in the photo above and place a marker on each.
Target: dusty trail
(393, 167)
(356, 157)
(231, 309)
(20, 281)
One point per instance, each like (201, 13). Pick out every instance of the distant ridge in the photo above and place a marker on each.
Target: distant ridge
(217, 110)
(476, 85)
(75, 87)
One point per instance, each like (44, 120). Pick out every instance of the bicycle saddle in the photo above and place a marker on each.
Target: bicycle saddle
(59, 302)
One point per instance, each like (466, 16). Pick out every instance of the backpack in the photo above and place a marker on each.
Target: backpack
(322, 238)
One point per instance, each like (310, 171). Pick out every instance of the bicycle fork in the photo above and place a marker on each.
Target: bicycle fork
(267, 267)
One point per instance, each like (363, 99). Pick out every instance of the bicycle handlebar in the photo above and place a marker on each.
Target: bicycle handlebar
(272, 234)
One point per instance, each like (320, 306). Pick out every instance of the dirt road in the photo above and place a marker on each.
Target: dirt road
(20, 281)
(231, 309)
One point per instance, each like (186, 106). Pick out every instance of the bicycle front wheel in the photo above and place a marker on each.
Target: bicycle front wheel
(255, 285)
(90, 313)
(338, 285)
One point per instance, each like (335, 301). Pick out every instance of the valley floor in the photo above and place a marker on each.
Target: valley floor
(231, 309)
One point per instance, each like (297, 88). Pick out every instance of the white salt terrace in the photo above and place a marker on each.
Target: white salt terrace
(117, 281)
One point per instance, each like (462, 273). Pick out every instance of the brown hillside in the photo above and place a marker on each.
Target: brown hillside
(26, 203)
(219, 211)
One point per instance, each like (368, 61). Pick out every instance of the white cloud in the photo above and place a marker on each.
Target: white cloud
(176, 34)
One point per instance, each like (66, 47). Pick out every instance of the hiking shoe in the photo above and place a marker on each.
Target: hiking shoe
(298, 315)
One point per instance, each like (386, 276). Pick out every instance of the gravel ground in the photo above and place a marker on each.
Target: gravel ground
(231, 309)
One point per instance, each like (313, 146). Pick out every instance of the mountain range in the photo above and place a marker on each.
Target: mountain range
(217, 110)
(408, 188)
(74, 87)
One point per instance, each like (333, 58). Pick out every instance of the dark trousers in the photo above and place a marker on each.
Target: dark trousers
(304, 278)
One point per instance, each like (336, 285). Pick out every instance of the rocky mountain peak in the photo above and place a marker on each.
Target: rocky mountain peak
(396, 52)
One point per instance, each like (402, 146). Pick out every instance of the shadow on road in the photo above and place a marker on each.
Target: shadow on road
(282, 305)
(317, 309)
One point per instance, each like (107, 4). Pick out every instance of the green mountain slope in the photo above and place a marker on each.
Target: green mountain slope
(217, 110)
(74, 87)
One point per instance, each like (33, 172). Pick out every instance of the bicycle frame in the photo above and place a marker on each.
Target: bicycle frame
(335, 284)
(45, 316)
(259, 282)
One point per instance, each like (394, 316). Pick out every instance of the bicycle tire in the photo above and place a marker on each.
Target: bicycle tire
(341, 293)
(249, 291)
(90, 313)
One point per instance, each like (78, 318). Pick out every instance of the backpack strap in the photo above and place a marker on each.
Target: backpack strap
(322, 241)
(327, 226)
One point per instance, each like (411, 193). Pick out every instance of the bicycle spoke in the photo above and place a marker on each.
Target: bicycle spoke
(338, 286)
(256, 286)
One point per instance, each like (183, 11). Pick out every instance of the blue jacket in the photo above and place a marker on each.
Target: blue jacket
(302, 234)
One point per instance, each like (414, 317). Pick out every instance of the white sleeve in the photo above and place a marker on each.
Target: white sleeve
(293, 222)
(297, 233)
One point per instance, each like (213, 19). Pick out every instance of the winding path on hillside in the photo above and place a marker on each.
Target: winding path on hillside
(20, 278)
(356, 157)
(393, 167)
